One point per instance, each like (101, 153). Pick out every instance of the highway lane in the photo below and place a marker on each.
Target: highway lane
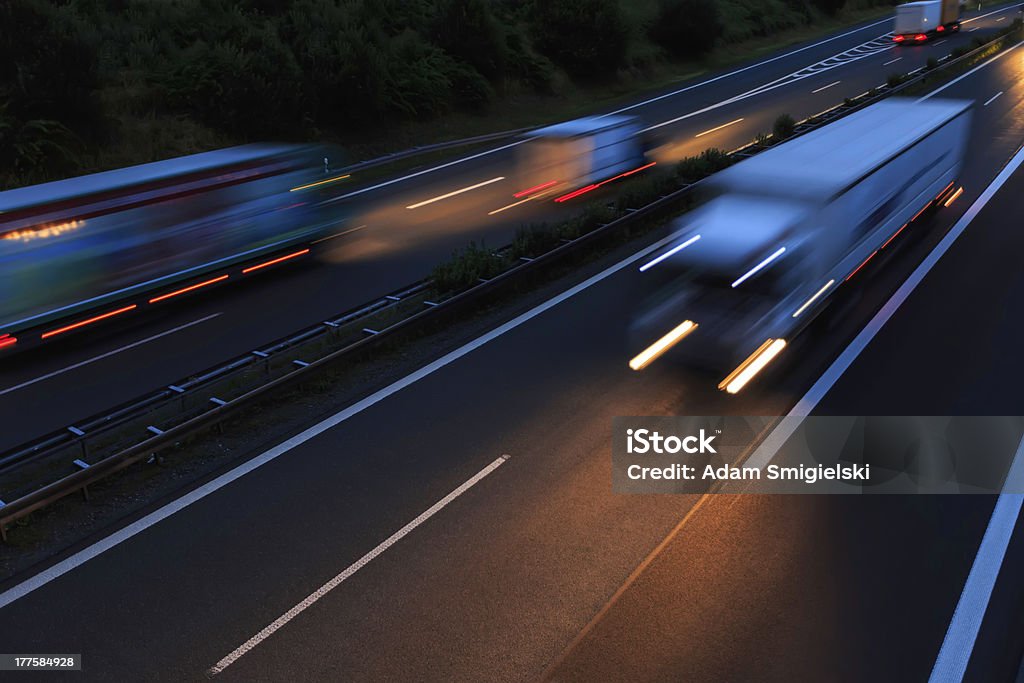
(398, 245)
(846, 558)
(506, 576)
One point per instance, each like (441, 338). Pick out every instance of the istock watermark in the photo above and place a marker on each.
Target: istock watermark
(820, 454)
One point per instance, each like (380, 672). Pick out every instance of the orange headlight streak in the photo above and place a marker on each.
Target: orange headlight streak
(275, 261)
(194, 287)
(652, 352)
(588, 188)
(83, 323)
(43, 231)
(953, 197)
(944, 191)
(754, 364)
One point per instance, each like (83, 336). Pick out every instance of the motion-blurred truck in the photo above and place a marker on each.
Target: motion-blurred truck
(785, 229)
(83, 250)
(580, 153)
(916, 22)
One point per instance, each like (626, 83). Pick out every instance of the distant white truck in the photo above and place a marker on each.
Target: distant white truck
(580, 153)
(785, 229)
(916, 22)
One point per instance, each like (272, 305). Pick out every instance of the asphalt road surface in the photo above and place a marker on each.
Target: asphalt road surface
(460, 524)
(61, 384)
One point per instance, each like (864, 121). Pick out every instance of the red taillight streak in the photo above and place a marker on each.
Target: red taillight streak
(940, 28)
(577, 193)
(83, 323)
(535, 188)
(277, 260)
(945, 191)
(894, 236)
(920, 36)
(588, 188)
(188, 289)
(898, 39)
(863, 263)
(7, 340)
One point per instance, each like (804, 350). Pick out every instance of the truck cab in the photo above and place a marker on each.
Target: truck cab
(783, 230)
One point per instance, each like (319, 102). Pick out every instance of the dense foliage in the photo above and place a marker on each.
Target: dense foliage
(75, 71)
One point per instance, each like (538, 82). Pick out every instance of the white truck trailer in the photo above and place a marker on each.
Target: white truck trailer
(916, 22)
(580, 153)
(786, 228)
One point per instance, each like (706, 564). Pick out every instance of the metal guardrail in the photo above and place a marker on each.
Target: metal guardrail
(82, 431)
(87, 474)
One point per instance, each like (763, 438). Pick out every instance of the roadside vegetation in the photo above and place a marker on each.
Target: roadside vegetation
(96, 84)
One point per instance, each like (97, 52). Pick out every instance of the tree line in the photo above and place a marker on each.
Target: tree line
(299, 69)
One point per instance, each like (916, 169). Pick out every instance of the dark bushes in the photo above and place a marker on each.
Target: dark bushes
(587, 38)
(48, 79)
(783, 127)
(686, 28)
(692, 169)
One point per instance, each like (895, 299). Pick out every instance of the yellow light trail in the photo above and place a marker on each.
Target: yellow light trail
(954, 197)
(320, 182)
(523, 201)
(757, 361)
(716, 128)
(652, 352)
(456, 192)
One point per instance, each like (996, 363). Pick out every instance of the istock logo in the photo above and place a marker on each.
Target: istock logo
(646, 441)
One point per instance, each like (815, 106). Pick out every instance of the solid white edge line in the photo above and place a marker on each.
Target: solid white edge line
(295, 611)
(108, 354)
(121, 535)
(962, 632)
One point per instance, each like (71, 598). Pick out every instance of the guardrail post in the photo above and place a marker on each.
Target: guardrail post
(181, 392)
(219, 403)
(82, 465)
(266, 360)
(81, 442)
